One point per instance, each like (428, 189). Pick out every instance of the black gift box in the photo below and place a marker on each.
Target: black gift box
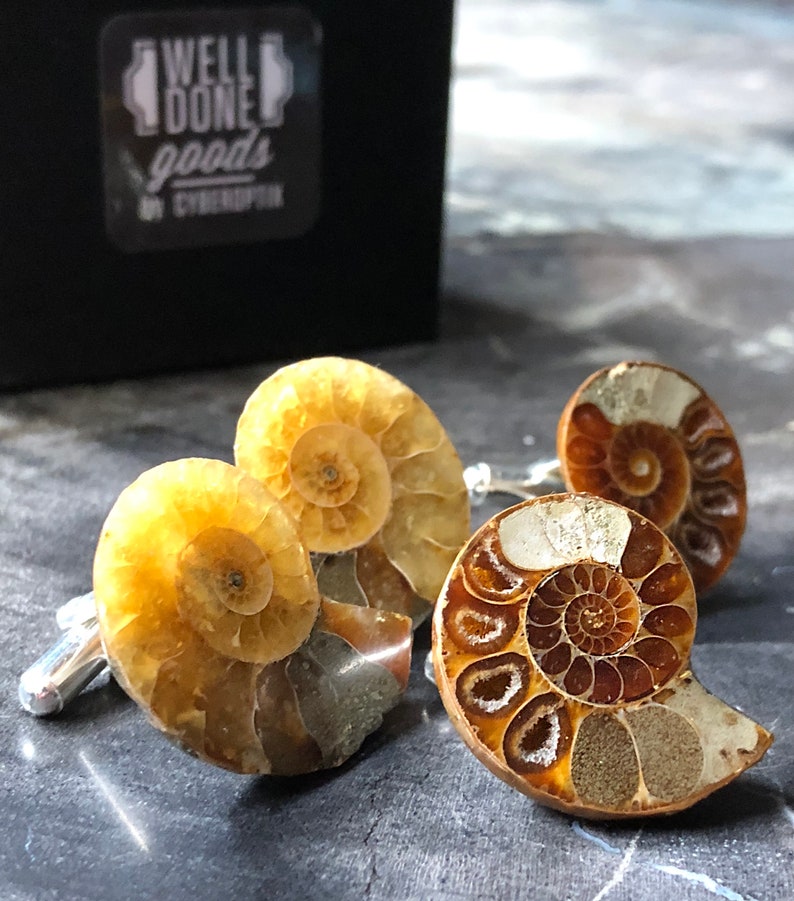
(188, 186)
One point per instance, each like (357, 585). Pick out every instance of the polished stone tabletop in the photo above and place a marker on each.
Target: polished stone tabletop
(97, 805)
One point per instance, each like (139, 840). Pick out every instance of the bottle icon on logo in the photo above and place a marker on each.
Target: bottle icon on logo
(275, 79)
(139, 87)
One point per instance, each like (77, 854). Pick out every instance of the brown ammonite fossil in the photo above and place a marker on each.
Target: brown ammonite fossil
(561, 645)
(211, 620)
(648, 437)
(368, 471)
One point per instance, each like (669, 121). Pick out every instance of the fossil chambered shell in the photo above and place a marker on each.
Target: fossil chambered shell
(212, 621)
(561, 648)
(367, 469)
(649, 438)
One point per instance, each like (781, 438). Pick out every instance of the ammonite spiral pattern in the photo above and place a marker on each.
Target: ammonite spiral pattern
(649, 438)
(370, 474)
(561, 644)
(212, 621)
(593, 634)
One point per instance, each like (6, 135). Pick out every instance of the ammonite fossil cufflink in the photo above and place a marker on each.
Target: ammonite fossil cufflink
(561, 645)
(368, 471)
(209, 615)
(650, 438)
(257, 612)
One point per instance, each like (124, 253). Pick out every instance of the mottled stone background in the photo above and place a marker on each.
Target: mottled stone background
(621, 181)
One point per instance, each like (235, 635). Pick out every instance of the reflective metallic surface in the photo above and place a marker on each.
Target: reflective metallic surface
(63, 671)
(527, 481)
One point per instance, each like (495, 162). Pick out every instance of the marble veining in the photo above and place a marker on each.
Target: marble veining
(701, 879)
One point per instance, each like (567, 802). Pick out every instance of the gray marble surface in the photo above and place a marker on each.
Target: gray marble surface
(96, 805)
(666, 119)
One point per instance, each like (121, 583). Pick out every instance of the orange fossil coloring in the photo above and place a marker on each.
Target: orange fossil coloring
(561, 645)
(367, 469)
(212, 621)
(648, 437)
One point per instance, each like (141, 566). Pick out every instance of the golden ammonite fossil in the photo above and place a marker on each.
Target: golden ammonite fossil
(211, 619)
(561, 648)
(368, 471)
(650, 438)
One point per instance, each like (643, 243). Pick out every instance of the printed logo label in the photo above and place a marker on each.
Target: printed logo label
(211, 126)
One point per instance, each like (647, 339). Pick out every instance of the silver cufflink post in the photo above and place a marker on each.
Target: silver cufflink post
(525, 482)
(63, 671)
